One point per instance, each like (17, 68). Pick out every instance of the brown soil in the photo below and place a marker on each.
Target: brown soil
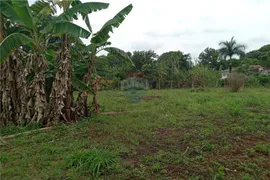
(149, 98)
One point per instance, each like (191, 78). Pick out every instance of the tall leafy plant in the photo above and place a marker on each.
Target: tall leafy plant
(99, 42)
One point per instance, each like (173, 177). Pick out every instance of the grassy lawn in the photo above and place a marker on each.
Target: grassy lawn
(161, 134)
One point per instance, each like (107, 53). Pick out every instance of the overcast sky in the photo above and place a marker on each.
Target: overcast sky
(186, 25)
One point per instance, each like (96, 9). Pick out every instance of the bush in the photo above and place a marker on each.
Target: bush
(253, 82)
(264, 79)
(235, 81)
(96, 161)
(201, 76)
(259, 80)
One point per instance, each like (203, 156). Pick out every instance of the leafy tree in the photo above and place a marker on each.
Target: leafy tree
(209, 57)
(174, 62)
(161, 72)
(112, 67)
(149, 70)
(181, 78)
(140, 58)
(231, 48)
(262, 54)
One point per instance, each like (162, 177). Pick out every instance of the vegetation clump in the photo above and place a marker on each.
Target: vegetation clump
(95, 161)
(235, 81)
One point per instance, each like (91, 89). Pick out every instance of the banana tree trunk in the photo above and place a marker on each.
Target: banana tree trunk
(82, 100)
(12, 91)
(12, 85)
(3, 81)
(60, 98)
(9, 92)
(66, 57)
(4, 95)
(39, 89)
(95, 87)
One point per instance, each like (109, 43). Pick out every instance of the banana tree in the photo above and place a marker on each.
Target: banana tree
(24, 16)
(62, 88)
(99, 42)
(24, 31)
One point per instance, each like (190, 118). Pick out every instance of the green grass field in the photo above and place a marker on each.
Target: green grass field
(160, 134)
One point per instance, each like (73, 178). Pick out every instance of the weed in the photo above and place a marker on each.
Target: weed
(246, 177)
(96, 161)
(219, 172)
(156, 167)
(263, 148)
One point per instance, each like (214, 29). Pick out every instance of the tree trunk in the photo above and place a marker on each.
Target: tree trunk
(82, 104)
(60, 98)
(65, 57)
(12, 91)
(12, 85)
(230, 66)
(39, 88)
(95, 87)
(4, 107)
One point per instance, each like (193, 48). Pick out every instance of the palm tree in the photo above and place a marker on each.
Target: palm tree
(231, 48)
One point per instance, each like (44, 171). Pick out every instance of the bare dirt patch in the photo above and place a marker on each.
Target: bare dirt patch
(165, 132)
(149, 98)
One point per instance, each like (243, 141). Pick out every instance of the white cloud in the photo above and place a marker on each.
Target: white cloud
(187, 25)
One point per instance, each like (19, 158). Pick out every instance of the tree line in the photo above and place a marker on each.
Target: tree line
(176, 69)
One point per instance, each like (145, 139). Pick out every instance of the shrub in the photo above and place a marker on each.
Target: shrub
(253, 82)
(235, 81)
(201, 76)
(264, 79)
(259, 80)
(96, 161)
